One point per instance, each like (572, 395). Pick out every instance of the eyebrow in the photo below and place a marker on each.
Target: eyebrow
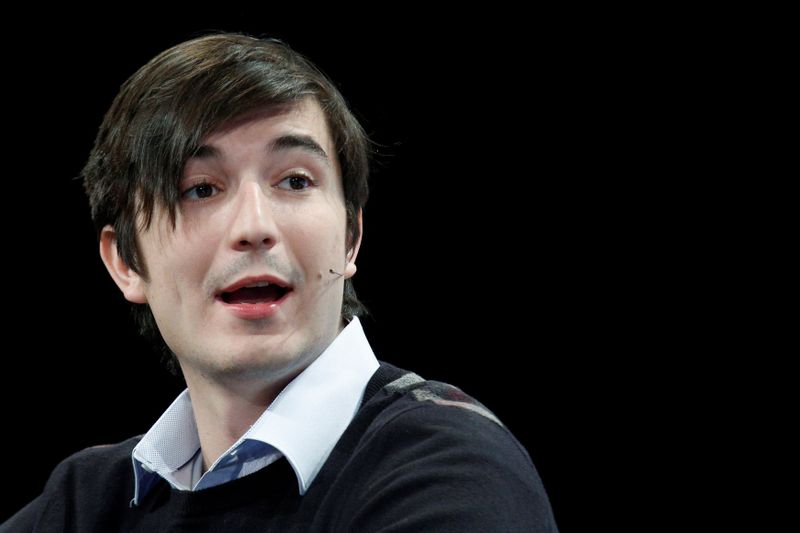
(281, 144)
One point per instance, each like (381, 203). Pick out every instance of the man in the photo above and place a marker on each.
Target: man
(227, 184)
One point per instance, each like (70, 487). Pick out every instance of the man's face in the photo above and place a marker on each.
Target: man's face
(252, 207)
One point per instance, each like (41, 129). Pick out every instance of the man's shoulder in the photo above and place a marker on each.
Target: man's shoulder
(431, 409)
(100, 460)
(401, 391)
(89, 483)
(413, 392)
(105, 453)
(428, 455)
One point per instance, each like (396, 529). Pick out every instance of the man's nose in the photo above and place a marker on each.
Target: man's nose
(253, 222)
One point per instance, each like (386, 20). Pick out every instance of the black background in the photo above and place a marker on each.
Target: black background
(512, 245)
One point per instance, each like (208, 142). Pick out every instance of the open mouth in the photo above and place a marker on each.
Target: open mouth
(255, 295)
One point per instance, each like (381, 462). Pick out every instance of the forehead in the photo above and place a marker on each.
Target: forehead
(301, 128)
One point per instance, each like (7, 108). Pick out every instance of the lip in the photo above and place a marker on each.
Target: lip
(254, 311)
(254, 279)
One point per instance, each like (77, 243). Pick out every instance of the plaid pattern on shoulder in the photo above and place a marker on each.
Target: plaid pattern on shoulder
(439, 393)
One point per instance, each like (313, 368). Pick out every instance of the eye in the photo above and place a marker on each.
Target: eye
(198, 192)
(295, 182)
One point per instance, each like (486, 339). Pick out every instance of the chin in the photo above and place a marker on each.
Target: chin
(255, 362)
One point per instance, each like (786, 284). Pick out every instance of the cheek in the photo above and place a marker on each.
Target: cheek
(318, 237)
(178, 268)
(197, 240)
(317, 248)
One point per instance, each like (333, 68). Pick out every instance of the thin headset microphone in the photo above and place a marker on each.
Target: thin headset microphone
(332, 271)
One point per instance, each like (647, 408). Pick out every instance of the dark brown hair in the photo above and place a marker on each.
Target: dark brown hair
(188, 92)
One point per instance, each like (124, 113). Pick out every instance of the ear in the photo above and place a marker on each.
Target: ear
(129, 282)
(352, 253)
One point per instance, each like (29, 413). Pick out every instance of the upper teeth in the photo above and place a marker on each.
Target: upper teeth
(258, 284)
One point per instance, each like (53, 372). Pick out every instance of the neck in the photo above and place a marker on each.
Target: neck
(226, 406)
(224, 413)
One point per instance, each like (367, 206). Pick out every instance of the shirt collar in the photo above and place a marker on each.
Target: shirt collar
(304, 422)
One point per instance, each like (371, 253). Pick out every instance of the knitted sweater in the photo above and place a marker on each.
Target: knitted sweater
(418, 456)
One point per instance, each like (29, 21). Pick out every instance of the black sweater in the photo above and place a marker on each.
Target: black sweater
(418, 456)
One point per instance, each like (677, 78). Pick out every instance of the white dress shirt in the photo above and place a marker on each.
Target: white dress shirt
(303, 424)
